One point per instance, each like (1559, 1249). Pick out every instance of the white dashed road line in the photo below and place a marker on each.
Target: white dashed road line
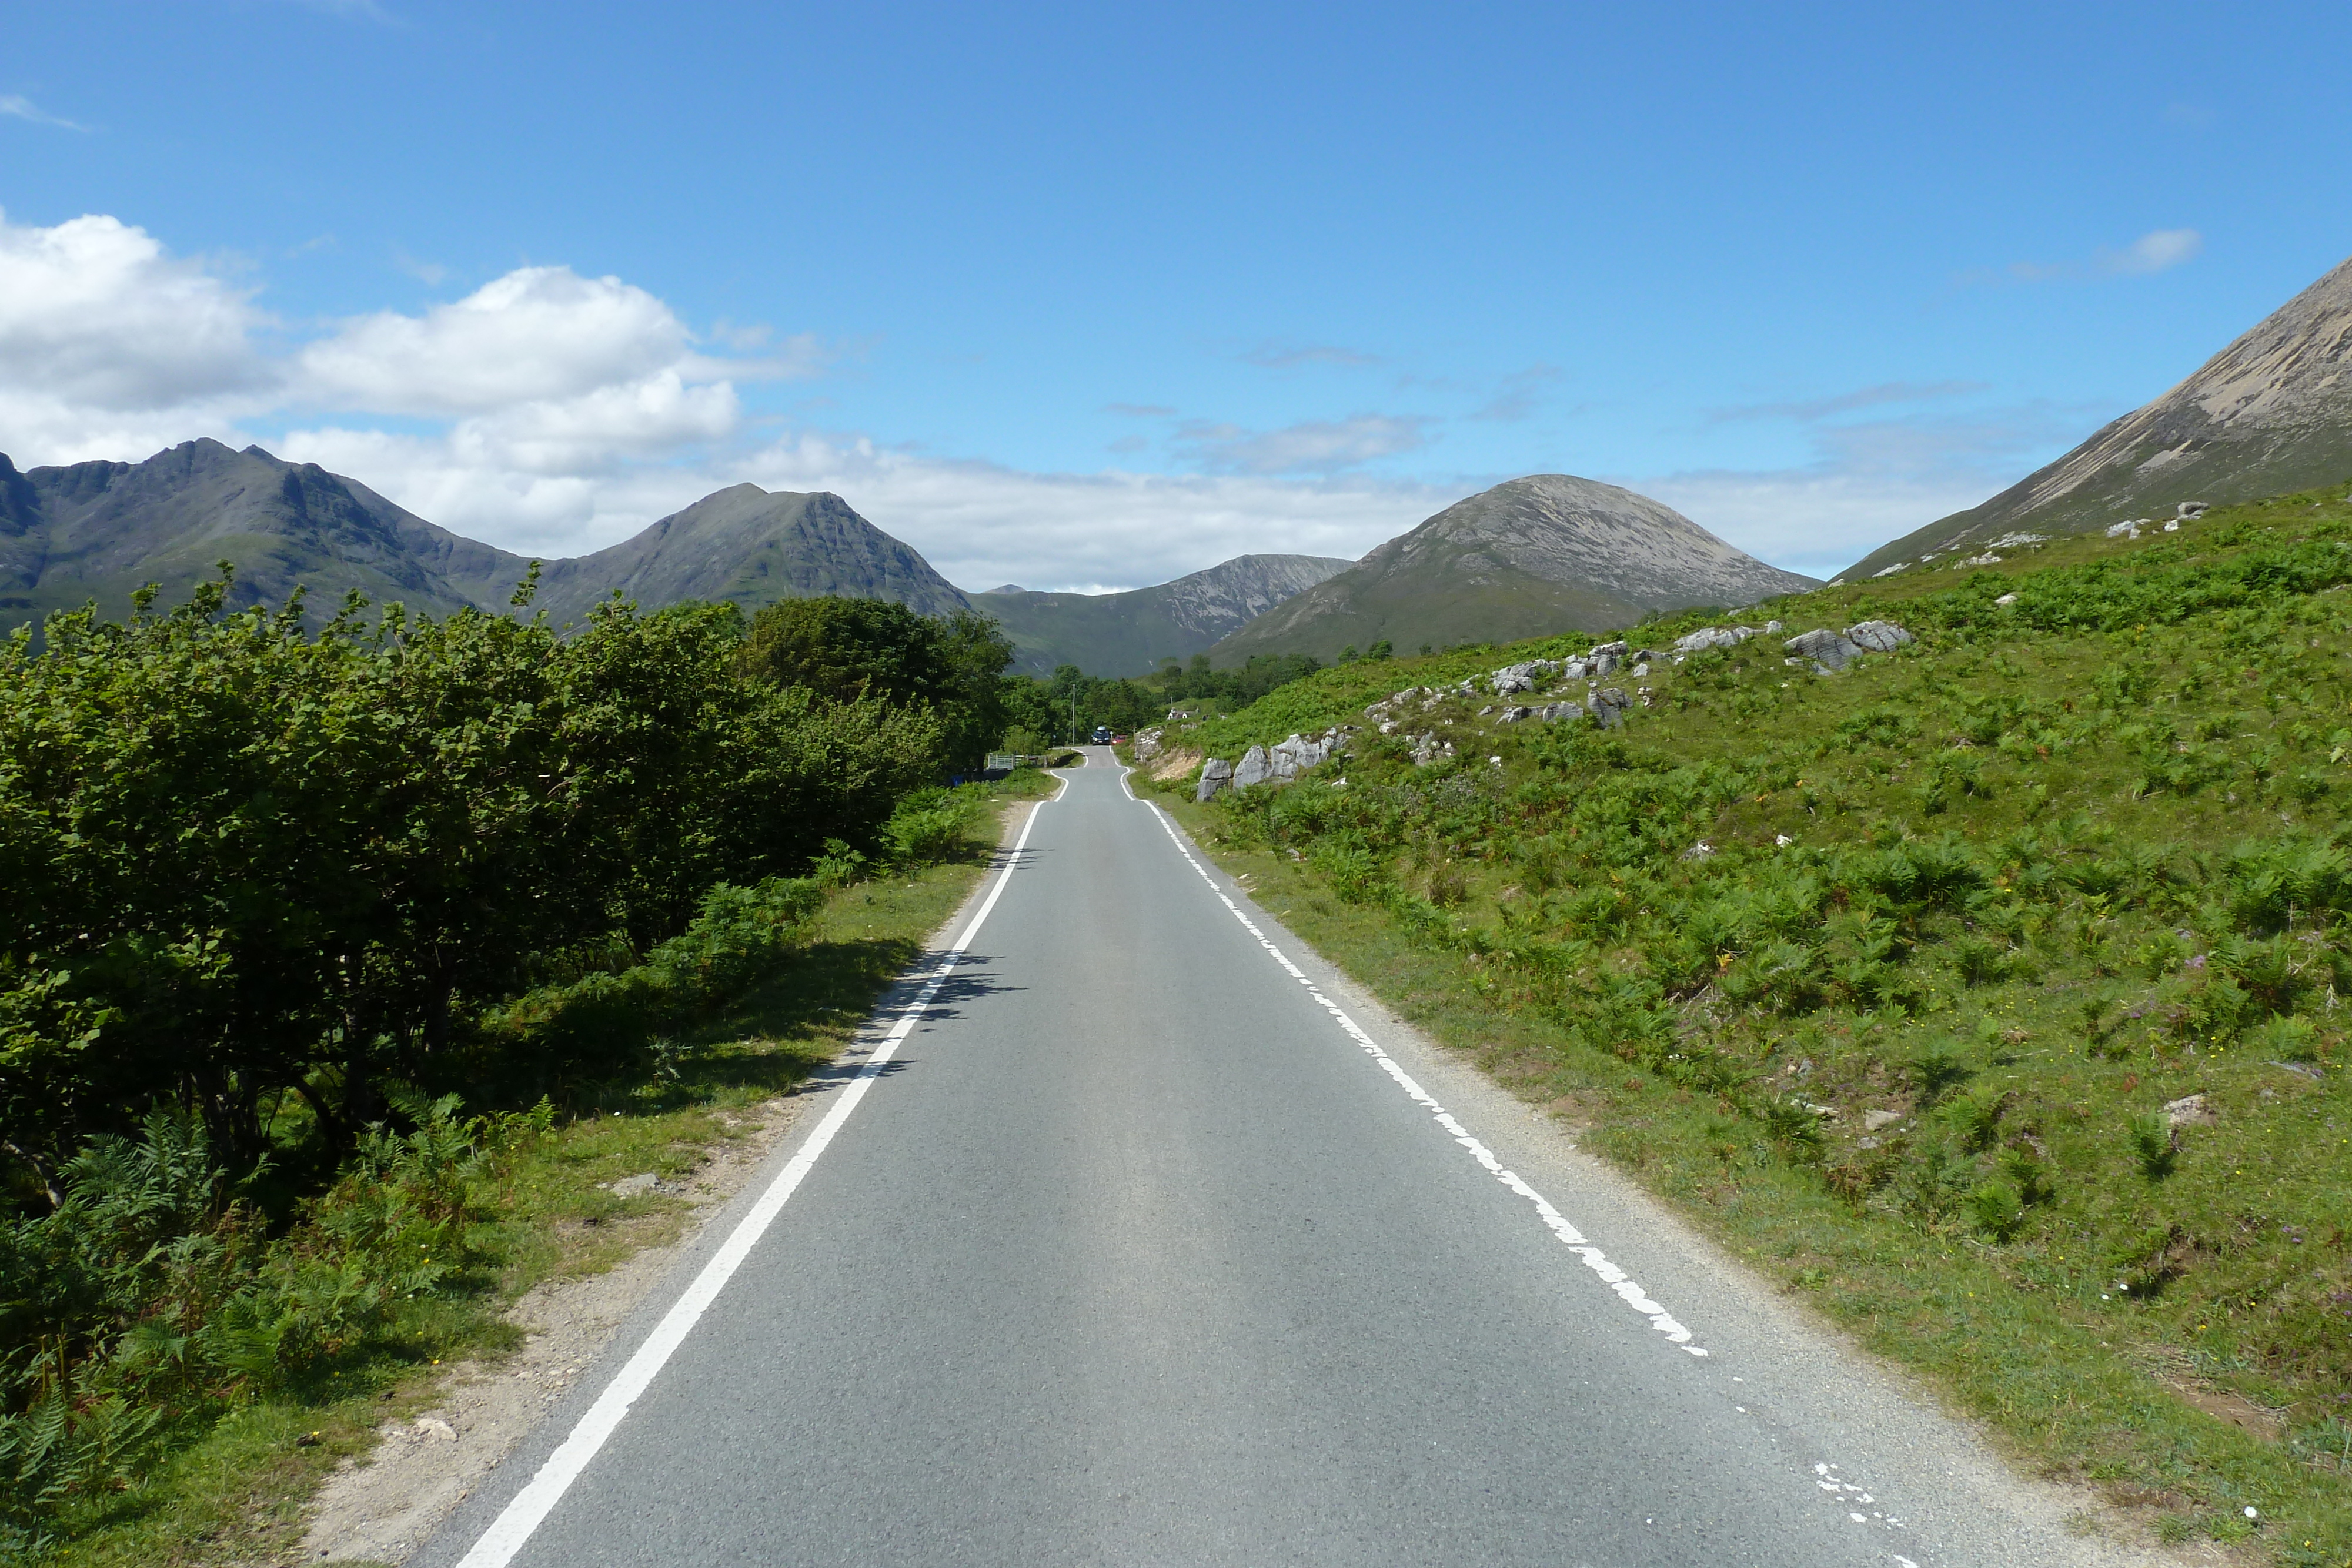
(1627, 1290)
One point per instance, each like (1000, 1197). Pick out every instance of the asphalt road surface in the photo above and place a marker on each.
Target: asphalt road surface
(1146, 1239)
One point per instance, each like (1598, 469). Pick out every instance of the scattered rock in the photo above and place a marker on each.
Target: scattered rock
(1698, 851)
(631, 1186)
(1253, 768)
(2190, 1111)
(1824, 647)
(1608, 707)
(2006, 599)
(1295, 756)
(1878, 636)
(436, 1428)
(1873, 1120)
(1216, 774)
(2187, 509)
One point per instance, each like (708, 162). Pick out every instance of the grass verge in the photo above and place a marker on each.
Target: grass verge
(539, 1209)
(1988, 994)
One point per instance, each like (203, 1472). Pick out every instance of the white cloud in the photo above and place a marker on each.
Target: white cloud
(538, 334)
(17, 107)
(2154, 252)
(105, 340)
(981, 523)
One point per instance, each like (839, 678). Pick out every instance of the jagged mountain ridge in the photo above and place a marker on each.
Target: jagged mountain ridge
(1549, 552)
(2268, 414)
(1124, 633)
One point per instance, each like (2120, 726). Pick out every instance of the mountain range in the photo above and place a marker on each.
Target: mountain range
(1551, 553)
(2268, 414)
(101, 531)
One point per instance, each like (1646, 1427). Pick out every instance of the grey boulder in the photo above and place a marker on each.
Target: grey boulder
(1254, 769)
(1824, 647)
(1878, 636)
(1215, 774)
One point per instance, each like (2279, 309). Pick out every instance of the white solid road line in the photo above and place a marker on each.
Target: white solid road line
(532, 1505)
(1594, 1258)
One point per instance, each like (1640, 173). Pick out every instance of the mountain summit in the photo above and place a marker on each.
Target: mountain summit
(752, 546)
(1551, 553)
(2268, 414)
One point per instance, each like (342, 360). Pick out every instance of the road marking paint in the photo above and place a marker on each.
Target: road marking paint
(527, 1508)
(1593, 1257)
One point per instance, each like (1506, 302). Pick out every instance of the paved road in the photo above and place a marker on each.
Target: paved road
(1139, 1250)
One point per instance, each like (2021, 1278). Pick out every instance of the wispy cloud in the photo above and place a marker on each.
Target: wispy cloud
(1289, 356)
(2153, 252)
(1310, 446)
(2158, 250)
(1140, 410)
(430, 273)
(17, 107)
(1807, 411)
(1870, 482)
(1517, 395)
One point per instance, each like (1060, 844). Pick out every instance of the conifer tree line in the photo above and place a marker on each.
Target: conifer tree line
(253, 861)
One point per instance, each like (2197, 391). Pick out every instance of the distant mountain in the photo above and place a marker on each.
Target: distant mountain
(752, 546)
(1126, 634)
(1548, 553)
(2270, 413)
(99, 531)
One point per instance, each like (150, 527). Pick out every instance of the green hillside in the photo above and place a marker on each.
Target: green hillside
(1988, 993)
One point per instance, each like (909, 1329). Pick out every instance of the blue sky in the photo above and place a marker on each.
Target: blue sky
(1089, 297)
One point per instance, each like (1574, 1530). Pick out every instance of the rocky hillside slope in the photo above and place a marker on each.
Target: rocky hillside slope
(2271, 412)
(1545, 554)
(99, 531)
(1127, 633)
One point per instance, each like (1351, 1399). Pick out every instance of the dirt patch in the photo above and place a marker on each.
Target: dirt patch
(1175, 764)
(382, 1507)
(2178, 1373)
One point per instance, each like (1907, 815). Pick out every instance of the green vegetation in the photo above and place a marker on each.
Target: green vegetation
(280, 896)
(1073, 702)
(1990, 992)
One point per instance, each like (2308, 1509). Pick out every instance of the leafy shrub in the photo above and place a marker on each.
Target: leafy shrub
(929, 826)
